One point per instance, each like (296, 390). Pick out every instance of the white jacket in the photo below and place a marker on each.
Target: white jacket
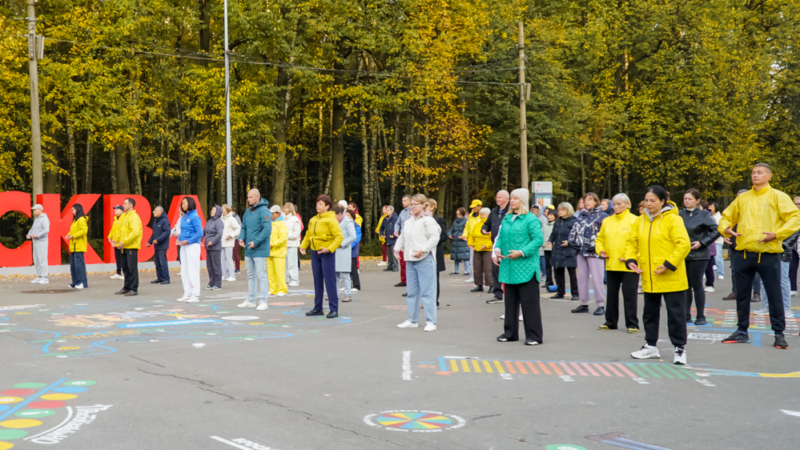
(419, 234)
(232, 229)
(293, 224)
(176, 229)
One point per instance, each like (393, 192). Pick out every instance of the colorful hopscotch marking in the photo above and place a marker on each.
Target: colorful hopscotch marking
(28, 406)
(728, 318)
(415, 421)
(640, 372)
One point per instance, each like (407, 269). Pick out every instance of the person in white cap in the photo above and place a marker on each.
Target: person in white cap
(38, 235)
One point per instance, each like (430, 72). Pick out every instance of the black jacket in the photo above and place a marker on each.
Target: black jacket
(788, 246)
(440, 247)
(160, 234)
(702, 228)
(494, 220)
(563, 256)
(387, 228)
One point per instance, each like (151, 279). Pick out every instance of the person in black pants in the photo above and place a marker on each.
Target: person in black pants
(492, 226)
(564, 255)
(160, 239)
(702, 230)
(547, 229)
(443, 237)
(130, 233)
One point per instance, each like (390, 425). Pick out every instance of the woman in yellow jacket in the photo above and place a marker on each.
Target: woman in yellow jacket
(656, 250)
(481, 244)
(276, 262)
(383, 241)
(323, 237)
(610, 245)
(77, 248)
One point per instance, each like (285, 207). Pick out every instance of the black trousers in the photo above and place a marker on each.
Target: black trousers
(793, 270)
(162, 269)
(676, 310)
(694, 272)
(214, 267)
(629, 282)
(498, 287)
(130, 269)
(710, 273)
(525, 295)
(438, 288)
(355, 280)
(562, 286)
(118, 260)
(768, 265)
(548, 269)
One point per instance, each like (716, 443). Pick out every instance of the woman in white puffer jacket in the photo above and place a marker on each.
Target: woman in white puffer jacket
(294, 225)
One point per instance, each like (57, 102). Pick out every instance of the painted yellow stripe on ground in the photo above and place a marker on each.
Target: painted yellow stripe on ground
(465, 365)
(453, 365)
(476, 365)
(781, 375)
(487, 366)
(499, 367)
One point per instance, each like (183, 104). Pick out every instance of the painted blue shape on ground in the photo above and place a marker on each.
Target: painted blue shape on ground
(70, 390)
(756, 339)
(4, 407)
(167, 324)
(28, 400)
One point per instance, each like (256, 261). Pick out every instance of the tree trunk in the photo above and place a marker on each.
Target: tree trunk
(284, 83)
(366, 195)
(339, 124)
(464, 184)
(137, 179)
(73, 169)
(504, 171)
(112, 156)
(202, 181)
(395, 153)
(408, 171)
(123, 184)
(87, 178)
(330, 157)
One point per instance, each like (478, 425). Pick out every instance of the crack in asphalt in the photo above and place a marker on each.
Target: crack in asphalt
(149, 362)
(176, 376)
(486, 417)
(218, 393)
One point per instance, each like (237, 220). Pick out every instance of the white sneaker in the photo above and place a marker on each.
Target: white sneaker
(710, 289)
(793, 294)
(430, 326)
(341, 289)
(262, 306)
(35, 281)
(680, 356)
(117, 276)
(408, 324)
(230, 279)
(646, 352)
(382, 263)
(178, 274)
(354, 290)
(44, 281)
(788, 313)
(79, 286)
(281, 294)
(520, 317)
(193, 299)
(721, 277)
(761, 311)
(294, 284)
(246, 304)
(503, 316)
(471, 280)
(184, 298)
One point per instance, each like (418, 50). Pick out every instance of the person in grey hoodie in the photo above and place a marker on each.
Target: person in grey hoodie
(38, 235)
(213, 241)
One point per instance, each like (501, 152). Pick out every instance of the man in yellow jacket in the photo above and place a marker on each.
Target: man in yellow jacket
(130, 240)
(276, 261)
(763, 218)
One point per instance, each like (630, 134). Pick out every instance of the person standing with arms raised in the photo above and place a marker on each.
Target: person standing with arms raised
(491, 227)
(160, 239)
(254, 236)
(130, 233)
(763, 217)
(38, 235)
(323, 237)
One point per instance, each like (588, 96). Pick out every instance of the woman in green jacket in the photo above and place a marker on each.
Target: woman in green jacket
(516, 251)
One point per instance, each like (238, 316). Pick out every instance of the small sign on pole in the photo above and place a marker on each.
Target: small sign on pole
(542, 193)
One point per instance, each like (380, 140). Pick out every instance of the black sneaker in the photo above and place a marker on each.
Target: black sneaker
(315, 312)
(780, 342)
(600, 311)
(557, 297)
(737, 338)
(700, 321)
(494, 300)
(477, 289)
(575, 297)
(400, 285)
(581, 309)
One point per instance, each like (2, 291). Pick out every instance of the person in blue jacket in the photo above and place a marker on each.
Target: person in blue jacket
(189, 243)
(355, 249)
(254, 236)
(160, 240)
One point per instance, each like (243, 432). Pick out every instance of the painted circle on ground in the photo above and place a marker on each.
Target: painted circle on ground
(415, 421)
(82, 382)
(6, 445)
(18, 392)
(69, 390)
(12, 434)
(4, 407)
(240, 318)
(29, 385)
(20, 423)
(59, 397)
(9, 400)
(34, 413)
(563, 447)
(47, 405)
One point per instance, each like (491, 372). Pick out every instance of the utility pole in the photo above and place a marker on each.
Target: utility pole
(228, 175)
(36, 133)
(523, 123)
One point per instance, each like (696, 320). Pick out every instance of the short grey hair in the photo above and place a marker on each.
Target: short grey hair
(390, 208)
(567, 206)
(485, 211)
(623, 198)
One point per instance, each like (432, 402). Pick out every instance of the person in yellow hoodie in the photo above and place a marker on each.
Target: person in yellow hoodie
(323, 237)
(113, 238)
(761, 219)
(481, 245)
(474, 216)
(77, 237)
(130, 241)
(276, 261)
(656, 249)
(610, 245)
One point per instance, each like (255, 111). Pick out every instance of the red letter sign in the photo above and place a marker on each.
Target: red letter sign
(23, 255)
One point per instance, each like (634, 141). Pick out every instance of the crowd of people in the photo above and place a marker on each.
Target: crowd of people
(663, 252)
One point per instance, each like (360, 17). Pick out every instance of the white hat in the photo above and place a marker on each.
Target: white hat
(343, 203)
(276, 209)
(38, 206)
(522, 194)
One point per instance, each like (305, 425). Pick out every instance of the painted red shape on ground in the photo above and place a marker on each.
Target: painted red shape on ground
(47, 404)
(18, 392)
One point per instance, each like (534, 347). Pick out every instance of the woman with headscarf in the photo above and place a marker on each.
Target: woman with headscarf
(77, 237)
(295, 227)
(563, 254)
(191, 234)
(657, 247)
(213, 241)
(590, 264)
(516, 251)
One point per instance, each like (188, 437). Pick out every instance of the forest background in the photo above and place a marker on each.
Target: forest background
(368, 100)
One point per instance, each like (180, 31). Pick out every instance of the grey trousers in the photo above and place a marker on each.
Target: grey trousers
(227, 262)
(40, 257)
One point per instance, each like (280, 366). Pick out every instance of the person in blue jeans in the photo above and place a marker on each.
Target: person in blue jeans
(418, 242)
(786, 287)
(254, 237)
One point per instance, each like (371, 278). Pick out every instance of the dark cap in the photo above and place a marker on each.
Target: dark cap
(119, 207)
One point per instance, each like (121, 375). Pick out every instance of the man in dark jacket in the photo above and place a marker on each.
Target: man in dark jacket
(160, 240)
(387, 233)
(256, 229)
(492, 226)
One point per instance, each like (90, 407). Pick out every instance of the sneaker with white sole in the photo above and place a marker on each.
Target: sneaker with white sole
(471, 280)
(430, 326)
(44, 281)
(193, 299)
(246, 304)
(721, 277)
(262, 306)
(281, 294)
(788, 313)
(761, 311)
(382, 264)
(79, 286)
(35, 280)
(710, 289)
(294, 284)
(230, 279)
(680, 356)
(793, 294)
(184, 298)
(117, 276)
(408, 324)
(646, 352)
(354, 290)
